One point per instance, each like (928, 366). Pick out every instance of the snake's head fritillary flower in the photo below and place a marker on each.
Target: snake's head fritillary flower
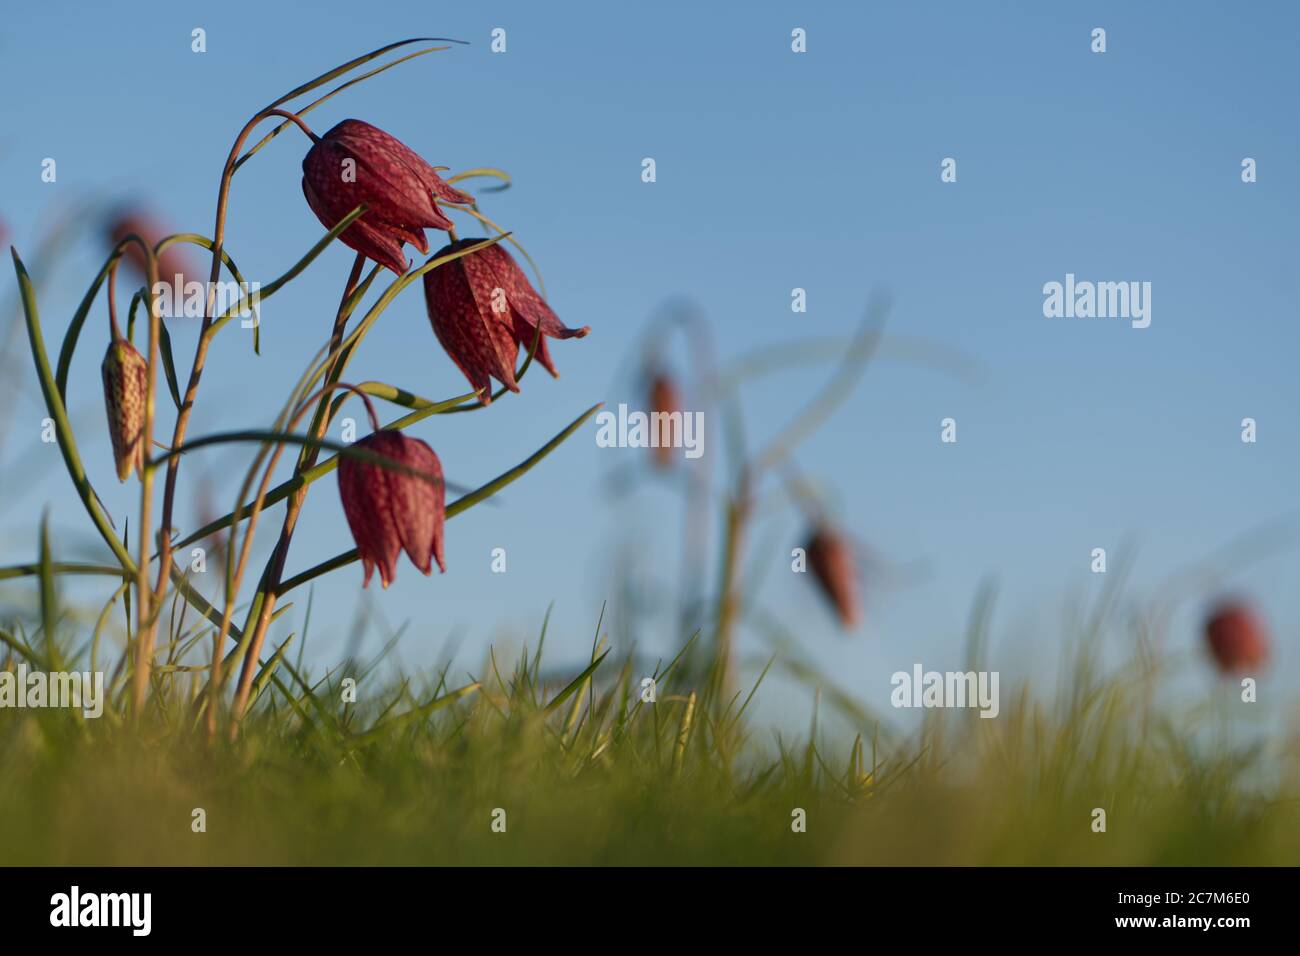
(357, 163)
(483, 308)
(665, 401)
(126, 384)
(830, 556)
(1236, 638)
(389, 509)
(174, 260)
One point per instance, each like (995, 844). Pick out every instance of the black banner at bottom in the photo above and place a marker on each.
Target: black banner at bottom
(338, 905)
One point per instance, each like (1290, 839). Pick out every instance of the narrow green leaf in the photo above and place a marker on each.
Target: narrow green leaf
(49, 597)
(338, 89)
(169, 363)
(289, 438)
(484, 171)
(574, 684)
(268, 670)
(352, 64)
(496, 484)
(419, 713)
(320, 470)
(456, 507)
(26, 652)
(271, 288)
(61, 567)
(62, 428)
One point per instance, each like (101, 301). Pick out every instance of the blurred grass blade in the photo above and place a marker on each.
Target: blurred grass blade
(49, 597)
(268, 670)
(574, 685)
(419, 713)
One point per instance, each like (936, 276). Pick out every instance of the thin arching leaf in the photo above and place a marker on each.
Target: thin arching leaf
(338, 89)
(485, 171)
(457, 506)
(353, 64)
(59, 415)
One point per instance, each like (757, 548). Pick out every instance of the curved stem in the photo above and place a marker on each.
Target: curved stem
(275, 565)
(235, 573)
(114, 329)
(205, 337)
(147, 619)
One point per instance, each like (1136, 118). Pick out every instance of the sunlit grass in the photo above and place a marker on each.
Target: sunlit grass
(589, 773)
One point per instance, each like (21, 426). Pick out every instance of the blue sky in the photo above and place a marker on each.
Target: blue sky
(775, 170)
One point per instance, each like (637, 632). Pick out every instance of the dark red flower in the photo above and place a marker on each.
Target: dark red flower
(390, 510)
(831, 558)
(483, 308)
(1237, 639)
(357, 163)
(173, 262)
(665, 400)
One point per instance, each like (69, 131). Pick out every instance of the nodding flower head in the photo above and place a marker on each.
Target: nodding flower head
(357, 163)
(483, 308)
(126, 385)
(665, 401)
(174, 260)
(1236, 638)
(394, 509)
(830, 556)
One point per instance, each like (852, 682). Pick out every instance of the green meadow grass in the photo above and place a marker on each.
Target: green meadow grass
(587, 773)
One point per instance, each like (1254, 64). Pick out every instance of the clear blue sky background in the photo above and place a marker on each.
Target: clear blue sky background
(775, 170)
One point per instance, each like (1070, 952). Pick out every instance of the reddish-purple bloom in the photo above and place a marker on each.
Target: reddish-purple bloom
(357, 163)
(390, 510)
(831, 558)
(665, 401)
(483, 308)
(1236, 638)
(173, 262)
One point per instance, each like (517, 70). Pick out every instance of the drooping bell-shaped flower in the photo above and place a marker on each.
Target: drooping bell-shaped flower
(394, 509)
(665, 402)
(483, 308)
(1236, 638)
(357, 163)
(830, 556)
(126, 385)
(174, 261)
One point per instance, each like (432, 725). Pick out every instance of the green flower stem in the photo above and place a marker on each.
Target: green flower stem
(145, 599)
(271, 575)
(206, 332)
